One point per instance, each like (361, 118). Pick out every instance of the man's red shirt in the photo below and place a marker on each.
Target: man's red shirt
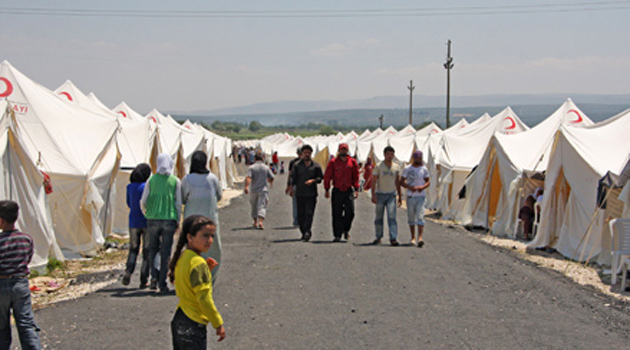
(344, 174)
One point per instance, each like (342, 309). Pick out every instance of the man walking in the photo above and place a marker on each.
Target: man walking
(386, 179)
(306, 174)
(291, 186)
(343, 171)
(258, 176)
(416, 180)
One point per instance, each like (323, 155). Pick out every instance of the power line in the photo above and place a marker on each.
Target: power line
(355, 13)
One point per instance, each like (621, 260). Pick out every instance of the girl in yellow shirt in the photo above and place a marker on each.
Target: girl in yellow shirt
(193, 285)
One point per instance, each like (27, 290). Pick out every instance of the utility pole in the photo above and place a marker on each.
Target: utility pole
(448, 65)
(410, 87)
(380, 119)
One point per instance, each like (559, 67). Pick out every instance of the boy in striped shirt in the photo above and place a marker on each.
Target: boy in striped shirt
(16, 252)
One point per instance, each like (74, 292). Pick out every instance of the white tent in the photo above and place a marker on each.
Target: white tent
(22, 182)
(136, 139)
(459, 152)
(496, 189)
(76, 147)
(580, 156)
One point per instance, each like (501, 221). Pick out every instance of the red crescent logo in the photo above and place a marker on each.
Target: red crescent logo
(435, 131)
(67, 95)
(188, 127)
(123, 113)
(579, 119)
(513, 126)
(9, 89)
(153, 119)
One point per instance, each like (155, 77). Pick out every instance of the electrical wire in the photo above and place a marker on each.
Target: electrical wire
(346, 13)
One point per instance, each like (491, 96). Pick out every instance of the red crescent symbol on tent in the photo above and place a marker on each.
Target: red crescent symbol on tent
(67, 95)
(153, 119)
(434, 131)
(123, 113)
(9, 89)
(187, 127)
(579, 119)
(513, 126)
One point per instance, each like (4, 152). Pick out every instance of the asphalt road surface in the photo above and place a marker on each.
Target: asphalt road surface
(276, 292)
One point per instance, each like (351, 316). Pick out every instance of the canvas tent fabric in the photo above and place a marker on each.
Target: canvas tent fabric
(460, 151)
(135, 140)
(571, 221)
(81, 161)
(22, 182)
(504, 177)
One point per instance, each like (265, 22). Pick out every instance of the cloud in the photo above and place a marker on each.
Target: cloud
(343, 49)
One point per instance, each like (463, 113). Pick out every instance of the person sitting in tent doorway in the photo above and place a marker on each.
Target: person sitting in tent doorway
(526, 214)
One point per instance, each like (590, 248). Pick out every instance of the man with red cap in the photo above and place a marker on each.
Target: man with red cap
(343, 171)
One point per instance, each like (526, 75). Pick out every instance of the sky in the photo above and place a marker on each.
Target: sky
(193, 55)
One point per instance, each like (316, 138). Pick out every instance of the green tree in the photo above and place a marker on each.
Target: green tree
(326, 130)
(254, 126)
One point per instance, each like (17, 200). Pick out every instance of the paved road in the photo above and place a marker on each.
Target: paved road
(276, 292)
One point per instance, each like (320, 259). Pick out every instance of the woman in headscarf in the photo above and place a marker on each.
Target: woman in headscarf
(201, 191)
(137, 225)
(162, 205)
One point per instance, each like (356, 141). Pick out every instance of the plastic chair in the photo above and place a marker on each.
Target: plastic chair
(620, 248)
(536, 219)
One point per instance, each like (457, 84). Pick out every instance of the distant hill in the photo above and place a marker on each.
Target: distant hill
(531, 114)
(402, 102)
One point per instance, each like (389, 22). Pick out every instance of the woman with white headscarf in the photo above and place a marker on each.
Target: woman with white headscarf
(201, 192)
(162, 205)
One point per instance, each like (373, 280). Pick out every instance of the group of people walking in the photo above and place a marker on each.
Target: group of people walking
(342, 176)
(156, 202)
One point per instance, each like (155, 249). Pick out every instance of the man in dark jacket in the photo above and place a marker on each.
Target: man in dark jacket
(306, 174)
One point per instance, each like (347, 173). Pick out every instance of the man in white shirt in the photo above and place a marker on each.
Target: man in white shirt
(386, 179)
(416, 180)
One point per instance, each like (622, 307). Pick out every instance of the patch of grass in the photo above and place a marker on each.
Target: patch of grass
(54, 264)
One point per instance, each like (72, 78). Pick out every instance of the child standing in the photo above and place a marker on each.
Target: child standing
(193, 285)
(137, 225)
(16, 252)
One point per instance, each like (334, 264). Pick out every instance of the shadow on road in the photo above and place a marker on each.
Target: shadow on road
(248, 228)
(328, 242)
(288, 240)
(134, 293)
(286, 228)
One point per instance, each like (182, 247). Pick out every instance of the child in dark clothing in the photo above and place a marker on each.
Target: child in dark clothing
(137, 225)
(16, 252)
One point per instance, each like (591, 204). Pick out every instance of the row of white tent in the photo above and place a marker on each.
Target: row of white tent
(566, 154)
(88, 152)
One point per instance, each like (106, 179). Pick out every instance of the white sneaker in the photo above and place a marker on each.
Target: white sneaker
(413, 242)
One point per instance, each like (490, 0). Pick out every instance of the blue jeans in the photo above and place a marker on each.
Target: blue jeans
(15, 296)
(160, 234)
(386, 201)
(415, 211)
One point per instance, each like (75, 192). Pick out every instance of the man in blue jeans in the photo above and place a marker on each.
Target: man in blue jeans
(386, 179)
(16, 252)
